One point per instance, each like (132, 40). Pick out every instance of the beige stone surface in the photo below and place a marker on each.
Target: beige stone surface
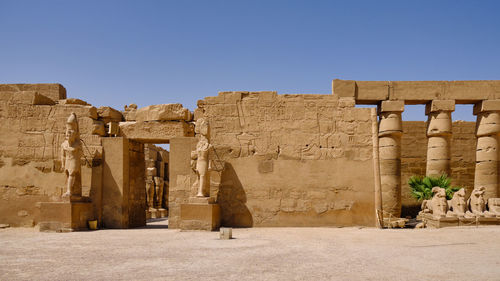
(72, 101)
(64, 216)
(108, 114)
(200, 216)
(53, 91)
(156, 131)
(163, 112)
(26, 97)
(124, 191)
(181, 176)
(253, 254)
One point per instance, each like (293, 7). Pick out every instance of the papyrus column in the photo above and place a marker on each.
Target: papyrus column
(390, 131)
(439, 136)
(487, 132)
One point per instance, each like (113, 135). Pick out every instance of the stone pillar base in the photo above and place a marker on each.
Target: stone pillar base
(162, 213)
(65, 216)
(200, 216)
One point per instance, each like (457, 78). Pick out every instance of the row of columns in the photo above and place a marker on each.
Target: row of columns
(439, 132)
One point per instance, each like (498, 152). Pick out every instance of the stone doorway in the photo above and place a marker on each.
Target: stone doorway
(156, 160)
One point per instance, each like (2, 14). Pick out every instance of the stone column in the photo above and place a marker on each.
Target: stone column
(487, 132)
(439, 136)
(390, 131)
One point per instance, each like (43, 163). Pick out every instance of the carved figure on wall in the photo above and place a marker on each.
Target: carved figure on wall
(477, 204)
(159, 183)
(457, 204)
(201, 157)
(438, 205)
(71, 153)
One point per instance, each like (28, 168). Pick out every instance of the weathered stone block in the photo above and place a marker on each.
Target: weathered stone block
(470, 91)
(439, 105)
(417, 91)
(391, 106)
(108, 114)
(344, 88)
(226, 233)
(200, 216)
(72, 101)
(30, 97)
(53, 91)
(486, 105)
(63, 111)
(371, 91)
(156, 131)
(163, 112)
(59, 216)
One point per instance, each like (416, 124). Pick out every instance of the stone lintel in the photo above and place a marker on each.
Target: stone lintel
(439, 105)
(486, 106)
(391, 106)
(156, 131)
(344, 88)
(419, 92)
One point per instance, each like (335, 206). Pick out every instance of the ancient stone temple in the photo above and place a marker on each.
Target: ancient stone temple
(247, 159)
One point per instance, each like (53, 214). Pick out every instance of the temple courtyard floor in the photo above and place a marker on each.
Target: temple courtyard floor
(158, 253)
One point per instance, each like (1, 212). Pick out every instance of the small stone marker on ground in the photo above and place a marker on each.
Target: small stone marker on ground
(226, 233)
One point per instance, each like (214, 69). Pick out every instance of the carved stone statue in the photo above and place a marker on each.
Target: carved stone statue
(150, 188)
(438, 205)
(457, 204)
(201, 157)
(71, 153)
(477, 204)
(159, 183)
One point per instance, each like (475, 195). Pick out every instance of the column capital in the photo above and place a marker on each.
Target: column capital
(486, 106)
(391, 106)
(439, 105)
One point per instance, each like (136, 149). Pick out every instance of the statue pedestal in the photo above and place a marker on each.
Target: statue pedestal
(65, 216)
(456, 221)
(200, 216)
(162, 213)
(152, 213)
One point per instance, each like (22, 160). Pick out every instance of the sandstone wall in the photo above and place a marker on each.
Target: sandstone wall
(413, 158)
(288, 160)
(31, 133)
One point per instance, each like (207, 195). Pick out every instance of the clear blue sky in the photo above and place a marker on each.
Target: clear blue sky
(149, 52)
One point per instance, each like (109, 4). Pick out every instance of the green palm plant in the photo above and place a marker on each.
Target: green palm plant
(421, 187)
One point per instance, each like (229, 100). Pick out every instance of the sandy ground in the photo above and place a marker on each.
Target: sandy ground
(255, 254)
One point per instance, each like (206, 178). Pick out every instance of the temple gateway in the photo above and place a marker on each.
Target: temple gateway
(250, 159)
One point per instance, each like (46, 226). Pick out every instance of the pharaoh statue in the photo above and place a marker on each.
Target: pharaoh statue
(150, 188)
(201, 157)
(71, 152)
(159, 183)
